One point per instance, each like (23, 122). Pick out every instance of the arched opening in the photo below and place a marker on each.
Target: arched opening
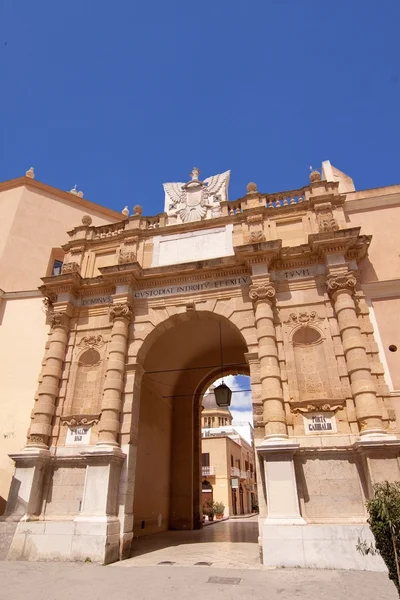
(179, 365)
(228, 453)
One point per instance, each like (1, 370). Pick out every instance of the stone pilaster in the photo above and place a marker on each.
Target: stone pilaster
(45, 406)
(369, 415)
(109, 426)
(263, 294)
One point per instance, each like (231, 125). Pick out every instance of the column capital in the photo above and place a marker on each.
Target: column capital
(341, 282)
(122, 310)
(59, 319)
(262, 291)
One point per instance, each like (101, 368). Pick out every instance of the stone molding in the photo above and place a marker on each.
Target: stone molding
(345, 281)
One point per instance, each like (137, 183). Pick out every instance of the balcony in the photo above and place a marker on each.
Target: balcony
(243, 474)
(207, 471)
(235, 472)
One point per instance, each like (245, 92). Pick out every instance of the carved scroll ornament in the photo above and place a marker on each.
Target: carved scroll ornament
(303, 318)
(120, 311)
(81, 420)
(71, 267)
(254, 237)
(125, 258)
(58, 319)
(310, 408)
(262, 292)
(347, 281)
(91, 341)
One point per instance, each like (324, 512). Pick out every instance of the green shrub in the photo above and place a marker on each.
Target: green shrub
(219, 508)
(384, 521)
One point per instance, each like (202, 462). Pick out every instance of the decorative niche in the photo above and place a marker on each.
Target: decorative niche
(311, 364)
(83, 403)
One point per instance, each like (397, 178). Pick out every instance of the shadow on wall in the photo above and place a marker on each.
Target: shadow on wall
(15, 505)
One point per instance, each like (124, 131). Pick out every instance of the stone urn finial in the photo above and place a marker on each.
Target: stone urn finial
(315, 175)
(137, 209)
(86, 220)
(125, 211)
(80, 194)
(74, 191)
(30, 173)
(251, 187)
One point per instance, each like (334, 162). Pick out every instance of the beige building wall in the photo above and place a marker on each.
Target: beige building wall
(34, 219)
(35, 222)
(23, 334)
(221, 449)
(151, 510)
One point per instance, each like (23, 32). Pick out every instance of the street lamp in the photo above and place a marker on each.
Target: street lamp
(223, 393)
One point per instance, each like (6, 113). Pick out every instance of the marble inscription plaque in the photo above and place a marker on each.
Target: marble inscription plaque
(324, 422)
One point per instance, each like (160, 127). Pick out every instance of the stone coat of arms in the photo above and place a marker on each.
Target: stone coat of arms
(196, 200)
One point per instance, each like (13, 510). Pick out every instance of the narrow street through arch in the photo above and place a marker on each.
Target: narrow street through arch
(225, 544)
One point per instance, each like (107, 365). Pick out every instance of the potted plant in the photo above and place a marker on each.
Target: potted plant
(209, 509)
(219, 508)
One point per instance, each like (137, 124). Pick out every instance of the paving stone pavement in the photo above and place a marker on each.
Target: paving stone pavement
(235, 573)
(226, 544)
(67, 581)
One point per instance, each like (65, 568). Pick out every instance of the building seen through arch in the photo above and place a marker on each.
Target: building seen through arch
(298, 290)
(228, 460)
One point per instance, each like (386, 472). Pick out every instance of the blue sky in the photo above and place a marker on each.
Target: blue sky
(119, 97)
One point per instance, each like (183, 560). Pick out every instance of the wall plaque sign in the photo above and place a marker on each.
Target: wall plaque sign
(323, 422)
(77, 436)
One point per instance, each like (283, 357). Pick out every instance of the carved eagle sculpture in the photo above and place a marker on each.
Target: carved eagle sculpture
(191, 200)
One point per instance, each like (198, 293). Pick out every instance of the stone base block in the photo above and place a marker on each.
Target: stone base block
(95, 541)
(319, 547)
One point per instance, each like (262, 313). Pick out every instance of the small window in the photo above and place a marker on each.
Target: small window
(205, 459)
(57, 268)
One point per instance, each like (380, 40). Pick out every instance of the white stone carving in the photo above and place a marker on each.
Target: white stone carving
(196, 200)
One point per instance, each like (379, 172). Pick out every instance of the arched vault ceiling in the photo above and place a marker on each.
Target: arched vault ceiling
(185, 350)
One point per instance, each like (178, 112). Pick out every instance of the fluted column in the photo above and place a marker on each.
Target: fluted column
(263, 295)
(45, 406)
(109, 426)
(369, 415)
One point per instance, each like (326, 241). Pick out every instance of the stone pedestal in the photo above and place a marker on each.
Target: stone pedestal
(25, 497)
(97, 530)
(280, 478)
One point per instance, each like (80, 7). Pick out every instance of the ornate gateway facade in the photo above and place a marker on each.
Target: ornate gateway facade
(114, 446)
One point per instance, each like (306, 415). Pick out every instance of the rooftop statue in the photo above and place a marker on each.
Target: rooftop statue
(196, 200)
